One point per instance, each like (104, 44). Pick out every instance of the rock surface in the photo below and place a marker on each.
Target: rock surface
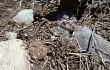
(13, 55)
(25, 16)
(82, 35)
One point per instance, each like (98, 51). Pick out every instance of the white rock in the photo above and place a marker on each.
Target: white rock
(11, 35)
(13, 55)
(25, 16)
(10, 9)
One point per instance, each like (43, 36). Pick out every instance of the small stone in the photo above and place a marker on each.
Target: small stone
(0, 22)
(10, 9)
(25, 16)
(11, 35)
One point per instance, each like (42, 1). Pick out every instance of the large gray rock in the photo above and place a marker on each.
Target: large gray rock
(82, 35)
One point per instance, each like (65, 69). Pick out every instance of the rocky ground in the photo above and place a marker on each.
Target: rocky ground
(59, 56)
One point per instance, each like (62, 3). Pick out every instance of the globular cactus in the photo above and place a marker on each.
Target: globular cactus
(67, 23)
(37, 50)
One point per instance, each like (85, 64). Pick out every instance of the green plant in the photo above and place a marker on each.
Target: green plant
(43, 2)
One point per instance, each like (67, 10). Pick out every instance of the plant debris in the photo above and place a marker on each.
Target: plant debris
(57, 35)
